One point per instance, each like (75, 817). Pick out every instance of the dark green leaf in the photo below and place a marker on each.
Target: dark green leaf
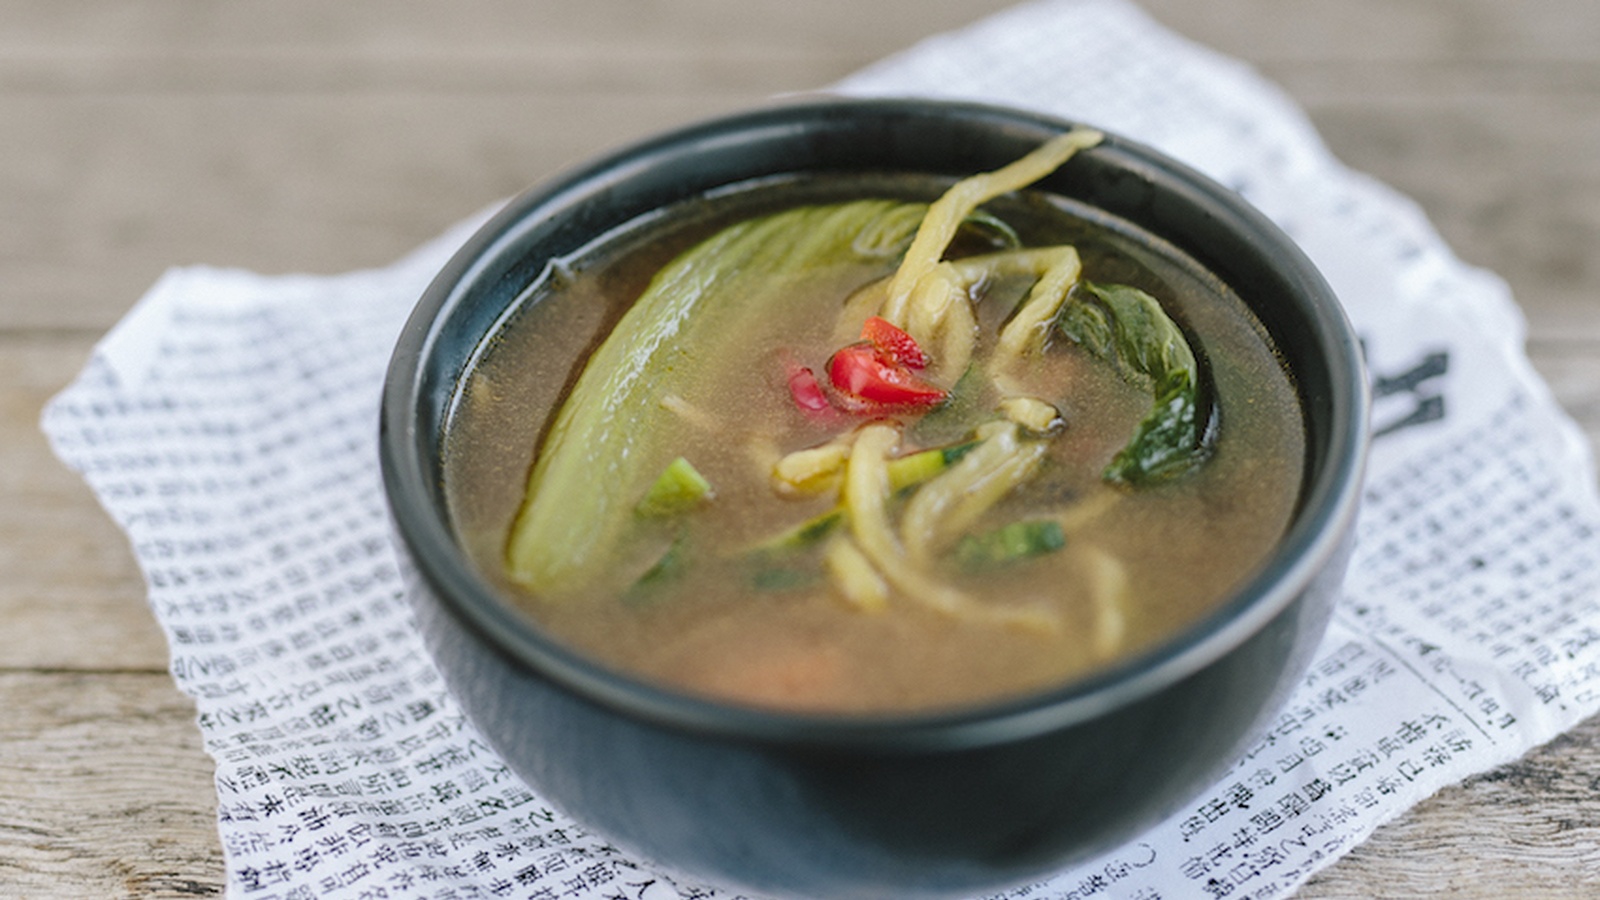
(1010, 543)
(1127, 327)
(784, 579)
(668, 568)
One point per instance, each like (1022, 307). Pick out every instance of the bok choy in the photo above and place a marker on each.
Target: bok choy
(600, 452)
(1128, 328)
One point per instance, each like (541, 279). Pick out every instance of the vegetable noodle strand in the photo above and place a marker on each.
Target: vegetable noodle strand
(947, 213)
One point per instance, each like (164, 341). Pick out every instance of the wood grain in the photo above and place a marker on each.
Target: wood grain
(1527, 829)
(98, 777)
(71, 596)
(300, 135)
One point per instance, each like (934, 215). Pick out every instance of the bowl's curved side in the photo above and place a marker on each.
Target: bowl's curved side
(774, 819)
(935, 806)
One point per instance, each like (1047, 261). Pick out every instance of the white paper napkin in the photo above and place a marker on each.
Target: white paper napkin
(228, 424)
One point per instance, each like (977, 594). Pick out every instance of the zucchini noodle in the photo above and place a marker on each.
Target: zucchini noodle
(947, 213)
(858, 582)
(947, 506)
(1108, 588)
(1058, 269)
(866, 495)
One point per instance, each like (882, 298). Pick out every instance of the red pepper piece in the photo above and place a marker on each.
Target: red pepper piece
(862, 371)
(893, 342)
(805, 390)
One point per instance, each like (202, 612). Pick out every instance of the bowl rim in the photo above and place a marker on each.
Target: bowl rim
(1314, 540)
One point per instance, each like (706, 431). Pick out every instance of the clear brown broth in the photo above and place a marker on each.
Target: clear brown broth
(1185, 544)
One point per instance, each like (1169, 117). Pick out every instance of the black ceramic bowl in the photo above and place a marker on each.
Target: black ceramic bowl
(922, 805)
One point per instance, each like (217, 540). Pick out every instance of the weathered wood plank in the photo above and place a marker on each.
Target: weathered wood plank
(71, 596)
(104, 791)
(359, 28)
(1503, 183)
(1475, 110)
(274, 184)
(1474, 32)
(293, 183)
(1434, 32)
(301, 135)
(550, 48)
(247, 138)
(1527, 829)
(1572, 370)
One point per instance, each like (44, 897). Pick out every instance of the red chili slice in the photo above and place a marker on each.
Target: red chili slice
(893, 342)
(864, 372)
(805, 390)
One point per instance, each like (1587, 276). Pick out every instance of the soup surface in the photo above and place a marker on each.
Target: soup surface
(793, 557)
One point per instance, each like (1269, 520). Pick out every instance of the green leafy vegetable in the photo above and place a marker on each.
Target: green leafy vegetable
(1010, 543)
(667, 568)
(679, 488)
(1129, 328)
(784, 579)
(804, 534)
(578, 507)
(904, 472)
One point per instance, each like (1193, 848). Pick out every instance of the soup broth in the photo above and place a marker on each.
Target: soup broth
(745, 595)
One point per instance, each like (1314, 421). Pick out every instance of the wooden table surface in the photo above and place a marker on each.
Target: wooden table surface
(316, 136)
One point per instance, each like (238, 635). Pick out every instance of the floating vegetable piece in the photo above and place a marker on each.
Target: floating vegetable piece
(686, 326)
(942, 309)
(812, 470)
(679, 488)
(945, 215)
(887, 236)
(1057, 269)
(877, 375)
(668, 567)
(1003, 235)
(857, 581)
(947, 506)
(893, 343)
(915, 468)
(904, 472)
(1108, 587)
(688, 412)
(784, 578)
(803, 535)
(1128, 327)
(862, 373)
(1032, 413)
(806, 391)
(1010, 543)
(866, 499)
(866, 496)
(952, 420)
